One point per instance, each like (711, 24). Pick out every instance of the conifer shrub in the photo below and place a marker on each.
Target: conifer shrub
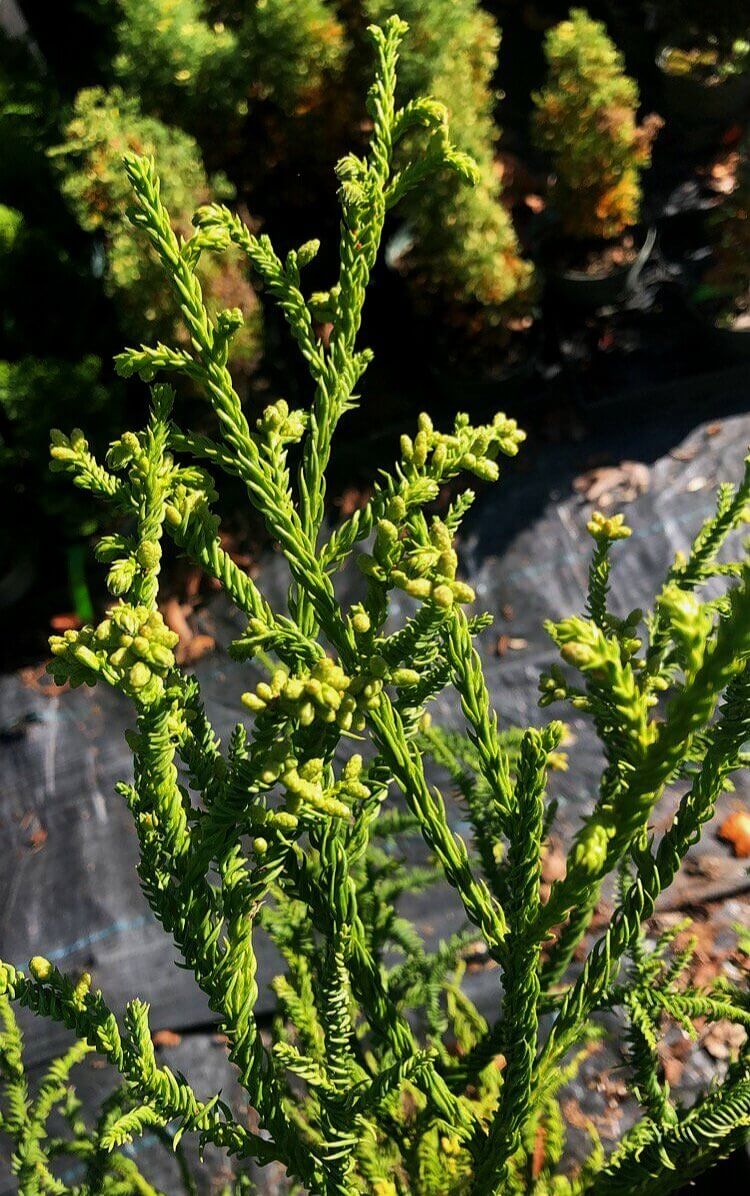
(203, 64)
(105, 125)
(465, 247)
(586, 120)
(378, 1075)
(279, 66)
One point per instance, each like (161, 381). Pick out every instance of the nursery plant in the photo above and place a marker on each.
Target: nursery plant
(235, 101)
(283, 74)
(103, 126)
(586, 120)
(464, 247)
(377, 1074)
(197, 62)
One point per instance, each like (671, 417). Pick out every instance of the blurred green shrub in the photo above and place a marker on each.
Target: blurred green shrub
(194, 62)
(105, 126)
(465, 246)
(210, 66)
(586, 120)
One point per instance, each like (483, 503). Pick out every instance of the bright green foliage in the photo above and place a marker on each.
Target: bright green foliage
(194, 62)
(33, 1121)
(379, 1075)
(106, 125)
(586, 120)
(465, 247)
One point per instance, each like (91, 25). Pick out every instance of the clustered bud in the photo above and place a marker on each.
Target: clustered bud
(605, 529)
(439, 561)
(278, 425)
(590, 851)
(426, 571)
(133, 645)
(41, 969)
(306, 793)
(586, 647)
(360, 620)
(471, 449)
(186, 501)
(82, 988)
(324, 692)
(65, 449)
(553, 687)
(304, 787)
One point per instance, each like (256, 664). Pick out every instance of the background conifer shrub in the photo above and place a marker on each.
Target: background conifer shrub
(465, 247)
(236, 71)
(104, 126)
(197, 63)
(237, 100)
(586, 120)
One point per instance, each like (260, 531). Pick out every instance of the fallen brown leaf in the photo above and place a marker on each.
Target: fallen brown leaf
(69, 621)
(501, 645)
(166, 1038)
(192, 646)
(608, 484)
(175, 617)
(197, 647)
(354, 498)
(612, 1087)
(673, 1069)
(736, 830)
(684, 454)
(510, 643)
(36, 678)
(723, 1039)
(37, 839)
(574, 1114)
(553, 863)
(539, 1153)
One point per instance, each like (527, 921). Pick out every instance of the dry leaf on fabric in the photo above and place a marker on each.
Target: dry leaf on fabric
(736, 830)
